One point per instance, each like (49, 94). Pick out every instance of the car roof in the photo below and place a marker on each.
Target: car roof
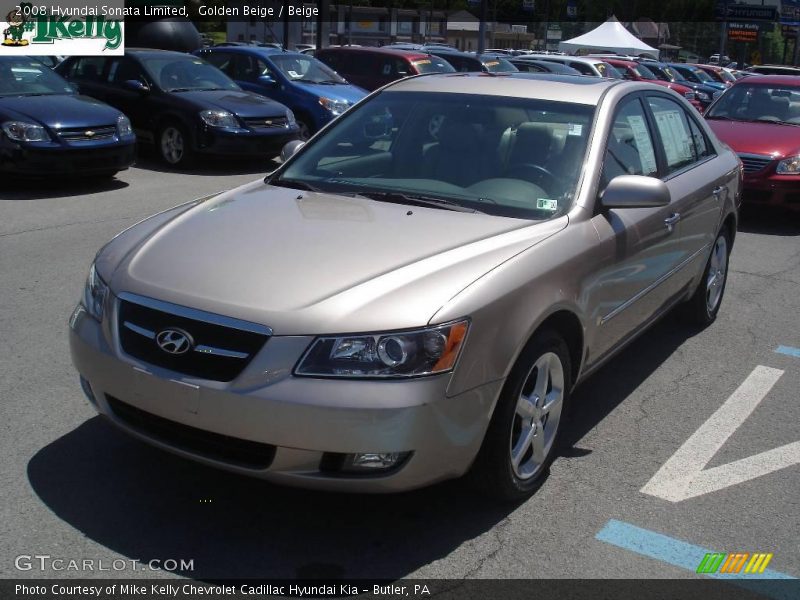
(411, 54)
(617, 61)
(787, 80)
(259, 50)
(151, 52)
(545, 86)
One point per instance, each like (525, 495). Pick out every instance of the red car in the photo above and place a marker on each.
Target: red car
(636, 71)
(717, 73)
(759, 117)
(371, 68)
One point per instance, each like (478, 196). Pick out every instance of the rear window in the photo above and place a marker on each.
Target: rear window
(434, 64)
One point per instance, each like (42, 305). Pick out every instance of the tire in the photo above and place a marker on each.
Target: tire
(174, 145)
(106, 174)
(703, 307)
(519, 421)
(305, 131)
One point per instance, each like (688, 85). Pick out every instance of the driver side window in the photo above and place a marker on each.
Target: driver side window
(630, 149)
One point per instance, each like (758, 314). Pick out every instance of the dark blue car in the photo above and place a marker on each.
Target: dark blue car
(183, 105)
(315, 93)
(47, 129)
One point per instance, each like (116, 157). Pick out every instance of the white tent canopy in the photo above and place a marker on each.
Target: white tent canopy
(610, 36)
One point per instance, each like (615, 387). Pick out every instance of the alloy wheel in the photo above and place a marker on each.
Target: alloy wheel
(172, 145)
(717, 271)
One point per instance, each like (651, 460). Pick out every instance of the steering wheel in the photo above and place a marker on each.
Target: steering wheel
(537, 174)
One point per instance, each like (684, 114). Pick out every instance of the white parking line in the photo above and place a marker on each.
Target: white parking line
(683, 476)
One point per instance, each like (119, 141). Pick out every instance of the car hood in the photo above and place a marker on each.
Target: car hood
(350, 93)
(62, 110)
(758, 138)
(243, 104)
(305, 263)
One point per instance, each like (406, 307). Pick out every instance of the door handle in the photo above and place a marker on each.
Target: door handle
(717, 191)
(671, 221)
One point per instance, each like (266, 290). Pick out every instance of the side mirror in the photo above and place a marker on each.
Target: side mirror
(635, 191)
(266, 80)
(135, 85)
(290, 149)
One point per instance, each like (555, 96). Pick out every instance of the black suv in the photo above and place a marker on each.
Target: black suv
(183, 104)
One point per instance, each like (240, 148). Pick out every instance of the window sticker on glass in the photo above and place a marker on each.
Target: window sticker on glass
(422, 62)
(547, 204)
(575, 129)
(676, 139)
(492, 63)
(294, 75)
(646, 153)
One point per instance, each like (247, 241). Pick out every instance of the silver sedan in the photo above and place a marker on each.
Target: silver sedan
(415, 293)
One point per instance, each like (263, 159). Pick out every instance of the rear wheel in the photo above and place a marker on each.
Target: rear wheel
(703, 306)
(526, 426)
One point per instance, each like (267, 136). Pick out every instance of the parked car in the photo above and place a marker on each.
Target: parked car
(466, 62)
(697, 75)
(704, 94)
(183, 105)
(636, 71)
(371, 68)
(528, 65)
(47, 129)
(719, 74)
(594, 67)
(416, 292)
(313, 91)
(774, 70)
(759, 117)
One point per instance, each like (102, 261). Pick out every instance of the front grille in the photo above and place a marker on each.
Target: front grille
(754, 162)
(219, 348)
(81, 134)
(215, 446)
(266, 122)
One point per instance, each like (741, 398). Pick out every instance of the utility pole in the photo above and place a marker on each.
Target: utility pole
(285, 26)
(482, 26)
(724, 35)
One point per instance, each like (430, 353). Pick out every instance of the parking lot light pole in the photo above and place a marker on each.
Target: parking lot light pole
(482, 26)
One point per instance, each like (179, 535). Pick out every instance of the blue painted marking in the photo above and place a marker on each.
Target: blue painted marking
(788, 350)
(687, 556)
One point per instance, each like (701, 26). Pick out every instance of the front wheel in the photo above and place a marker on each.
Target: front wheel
(703, 306)
(305, 130)
(524, 432)
(174, 145)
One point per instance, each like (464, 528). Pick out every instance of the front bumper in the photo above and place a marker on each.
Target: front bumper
(772, 190)
(301, 421)
(244, 142)
(49, 160)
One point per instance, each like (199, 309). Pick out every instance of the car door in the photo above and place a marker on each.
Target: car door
(639, 247)
(86, 73)
(131, 102)
(696, 183)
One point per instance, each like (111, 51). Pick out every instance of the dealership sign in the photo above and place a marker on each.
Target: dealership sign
(38, 31)
(743, 32)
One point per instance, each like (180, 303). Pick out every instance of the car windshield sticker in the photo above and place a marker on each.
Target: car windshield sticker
(422, 62)
(575, 129)
(294, 75)
(492, 63)
(547, 204)
(642, 138)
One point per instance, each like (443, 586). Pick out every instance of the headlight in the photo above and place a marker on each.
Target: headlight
(401, 354)
(20, 131)
(789, 166)
(290, 121)
(219, 118)
(124, 126)
(689, 95)
(94, 294)
(336, 107)
(703, 96)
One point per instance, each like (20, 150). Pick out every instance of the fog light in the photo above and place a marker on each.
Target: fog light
(372, 460)
(87, 389)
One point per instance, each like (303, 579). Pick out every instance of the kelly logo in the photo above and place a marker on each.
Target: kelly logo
(33, 30)
(717, 562)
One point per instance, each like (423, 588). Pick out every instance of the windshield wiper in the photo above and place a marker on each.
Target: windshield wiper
(417, 200)
(294, 184)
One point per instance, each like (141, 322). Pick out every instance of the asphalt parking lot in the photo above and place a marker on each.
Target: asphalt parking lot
(75, 488)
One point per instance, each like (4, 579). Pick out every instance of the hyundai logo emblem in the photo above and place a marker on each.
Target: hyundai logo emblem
(174, 341)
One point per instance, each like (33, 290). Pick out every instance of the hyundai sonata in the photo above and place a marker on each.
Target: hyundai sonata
(415, 293)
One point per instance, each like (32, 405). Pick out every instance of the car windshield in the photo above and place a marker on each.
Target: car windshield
(607, 70)
(29, 77)
(701, 75)
(433, 64)
(305, 69)
(772, 103)
(515, 157)
(498, 65)
(644, 72)
(179, 74)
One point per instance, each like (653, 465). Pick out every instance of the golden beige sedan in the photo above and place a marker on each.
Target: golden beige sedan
(415, 293)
